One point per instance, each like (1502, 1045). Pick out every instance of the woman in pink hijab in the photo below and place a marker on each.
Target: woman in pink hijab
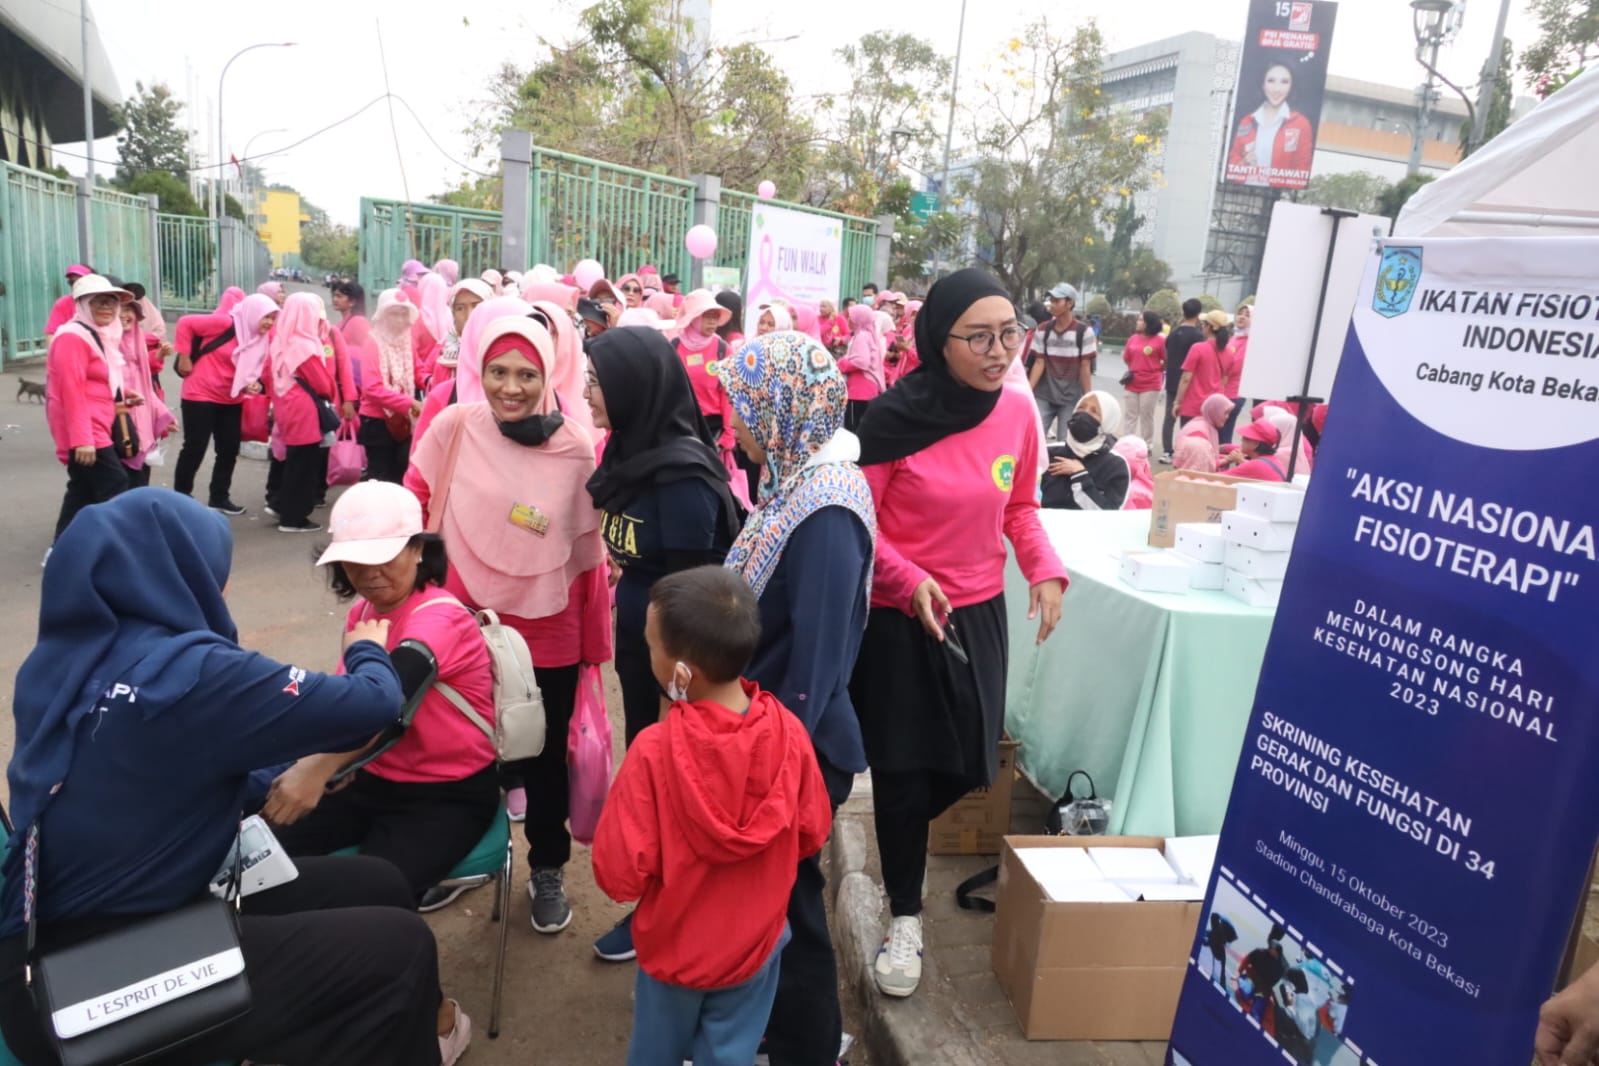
(448, 393)
(567, 377)
(304, 378)
(523, 538)
(151, 419)
(663, 305)
(229, 300)
(275, 290)
(1141, 487)
(807, 321)
(632, 290)
(388, 393)
(1198, 445)
(449, 270)
(862, 364)
(564, 296)
(1285, 422)
(432, 324)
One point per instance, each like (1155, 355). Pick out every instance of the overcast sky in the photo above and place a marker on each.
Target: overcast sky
(440, 54)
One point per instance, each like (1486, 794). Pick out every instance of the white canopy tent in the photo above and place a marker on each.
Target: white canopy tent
(1538, 176)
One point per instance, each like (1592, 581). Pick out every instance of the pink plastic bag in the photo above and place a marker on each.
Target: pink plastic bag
(740, 483)
(588, 755)
(346, 458)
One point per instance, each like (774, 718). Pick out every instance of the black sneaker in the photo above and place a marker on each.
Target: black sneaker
(228, 507)
(440, 896)
(299, 527)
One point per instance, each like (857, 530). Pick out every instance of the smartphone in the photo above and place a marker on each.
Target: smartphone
(953, 643)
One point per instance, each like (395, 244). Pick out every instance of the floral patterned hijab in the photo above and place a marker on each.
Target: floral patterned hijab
(790, 393)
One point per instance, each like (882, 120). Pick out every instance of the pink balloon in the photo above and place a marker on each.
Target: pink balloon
(586, 273)
(701, 242)
(766, 190)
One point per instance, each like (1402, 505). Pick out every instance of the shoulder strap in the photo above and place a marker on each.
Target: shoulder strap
(441, 494)
(196, 349)
(460, 704)
(1273, 464)
(1082, 331)
(964, 897)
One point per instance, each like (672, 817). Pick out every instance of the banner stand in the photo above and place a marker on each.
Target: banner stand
(1568, 961)
(1305, 400)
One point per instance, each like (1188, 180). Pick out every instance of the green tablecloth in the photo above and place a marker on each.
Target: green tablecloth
(1148, 692)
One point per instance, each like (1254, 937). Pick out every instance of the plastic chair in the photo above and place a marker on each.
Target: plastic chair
(491, 860)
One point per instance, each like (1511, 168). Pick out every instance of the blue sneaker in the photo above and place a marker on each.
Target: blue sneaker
(617, 945)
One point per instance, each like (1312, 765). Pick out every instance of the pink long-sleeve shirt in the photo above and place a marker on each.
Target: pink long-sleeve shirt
(581, 633)
(78, 404)
(61, 313)
(377, 399)
(946, 511)
(211, 381)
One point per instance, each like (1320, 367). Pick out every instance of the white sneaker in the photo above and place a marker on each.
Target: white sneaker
(899, 960)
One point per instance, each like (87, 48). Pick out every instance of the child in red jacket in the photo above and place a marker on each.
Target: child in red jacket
(705, 826)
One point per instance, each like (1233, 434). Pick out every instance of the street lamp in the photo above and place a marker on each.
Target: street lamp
(244, 186)
(222, 150)
(1430, 23)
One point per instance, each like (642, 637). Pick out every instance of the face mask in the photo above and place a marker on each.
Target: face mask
(674, 691)
(1083, 427)
(533, 430)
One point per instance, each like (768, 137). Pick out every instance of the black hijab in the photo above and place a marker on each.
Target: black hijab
(658, 435)
(928, 404)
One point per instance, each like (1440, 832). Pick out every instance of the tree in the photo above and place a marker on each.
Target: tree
(1053, 154)
(1568, 40)
(886, 113)
(1167, 304)
(1395, 198)
(1208, 303)
(329, 247)
(633, 92)
(1358, 190)
(152, 139)
(1113, 256)
(1098, 305)
(172, 195)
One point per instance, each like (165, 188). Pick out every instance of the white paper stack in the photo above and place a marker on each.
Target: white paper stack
(1192, 857)
(1155, 571)
(1123, 875)
(1140, 865)
(1259, 534)
(1068, 875)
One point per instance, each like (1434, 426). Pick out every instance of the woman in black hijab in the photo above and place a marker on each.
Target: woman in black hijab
(951, 455)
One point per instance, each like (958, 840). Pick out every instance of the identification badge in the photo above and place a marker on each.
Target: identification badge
(696, 360)
(530, 518)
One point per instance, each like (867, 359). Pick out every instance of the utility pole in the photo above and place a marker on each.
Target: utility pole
(1490, 79)
(949, 130)
(85, 203)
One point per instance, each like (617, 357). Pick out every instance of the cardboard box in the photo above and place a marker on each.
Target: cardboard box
(1246, 529)
(1269, 566)
(1202, 541)
(1155, 571)
(1273, 502)
(979, 821)
(1253, 591)
(1089, 971)
(1189, 496)
(1203, 575)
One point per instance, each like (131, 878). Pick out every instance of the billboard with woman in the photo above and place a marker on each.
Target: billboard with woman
(1281, 77)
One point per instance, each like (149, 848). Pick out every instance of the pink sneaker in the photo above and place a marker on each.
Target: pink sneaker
(453, 1046)
(516, 804)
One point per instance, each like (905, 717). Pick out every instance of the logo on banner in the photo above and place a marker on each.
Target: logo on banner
(1397, 280)
(1299, 16)
(1290, 140)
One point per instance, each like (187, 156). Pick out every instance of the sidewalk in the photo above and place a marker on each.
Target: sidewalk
(959, 1016)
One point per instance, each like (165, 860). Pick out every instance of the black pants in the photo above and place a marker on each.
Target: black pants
(903, 805)
(202, 423)
(807, 1022)
(341, 970)
(91, 484)
(386, 458)
(140, 478)
(297, 491)
(545, 777)
(422, 827)
(1168, 423)
(641, 693)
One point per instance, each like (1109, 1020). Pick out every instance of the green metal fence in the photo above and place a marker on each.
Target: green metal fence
(120, 228)
(625, 218)
(187, 248)
(38, 241)
(393, 231)
(737, 210)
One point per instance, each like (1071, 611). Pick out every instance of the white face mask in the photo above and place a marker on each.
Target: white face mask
(676, 690)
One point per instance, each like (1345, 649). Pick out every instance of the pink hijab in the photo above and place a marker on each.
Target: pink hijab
(663, 305)
(433, 295)
(554, 292)
(1285, 423)
(391, 334)
(866, 349)
(296, 338)
(251, 354)
(273, 289)
(565, 377)
(230, 299)
(151, 418)
(1141, 489)
(469, 365)
(623, 280)
(1198, 446)
(449, 270)
(806, 320)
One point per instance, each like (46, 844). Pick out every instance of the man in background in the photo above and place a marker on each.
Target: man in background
(1183, 337)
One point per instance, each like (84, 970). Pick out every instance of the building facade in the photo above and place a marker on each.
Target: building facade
(278, 217)
(41, 81)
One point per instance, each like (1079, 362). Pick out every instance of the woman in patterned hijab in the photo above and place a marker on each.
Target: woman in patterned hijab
(807, 551)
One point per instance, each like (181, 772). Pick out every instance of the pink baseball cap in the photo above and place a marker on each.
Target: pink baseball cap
(372, 523)
(78, 270)
(1263, 432)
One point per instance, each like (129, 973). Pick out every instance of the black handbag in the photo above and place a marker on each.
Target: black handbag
(327, 417)
(1070, 816)
(143, 990)
(124, 434)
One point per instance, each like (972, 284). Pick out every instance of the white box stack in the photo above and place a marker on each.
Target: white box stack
(1204, 548)
(1259, 535)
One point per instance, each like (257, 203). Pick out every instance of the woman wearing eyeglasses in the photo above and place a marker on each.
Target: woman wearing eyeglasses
(632, 290)
(951, 456)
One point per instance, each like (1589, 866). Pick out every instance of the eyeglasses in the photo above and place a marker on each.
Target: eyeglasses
(981, 343)
(631, 288)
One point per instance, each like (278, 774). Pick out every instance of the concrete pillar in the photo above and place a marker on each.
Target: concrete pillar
(227, 253)
(707, 203)
(883, 254)
(153, 286)
(516, 198)
(85, 223)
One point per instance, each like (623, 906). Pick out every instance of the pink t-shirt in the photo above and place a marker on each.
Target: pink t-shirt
(1205, 363)
(946, 511)
(1232, 365)
(211, 381)
(1146, 358)
(442, 743)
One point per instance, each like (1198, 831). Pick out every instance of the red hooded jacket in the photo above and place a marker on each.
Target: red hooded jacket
(705, 825)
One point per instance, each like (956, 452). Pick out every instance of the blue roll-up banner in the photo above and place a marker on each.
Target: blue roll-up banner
(1416, 804)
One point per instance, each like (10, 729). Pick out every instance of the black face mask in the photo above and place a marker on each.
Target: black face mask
(534, 430)
(1083, 427)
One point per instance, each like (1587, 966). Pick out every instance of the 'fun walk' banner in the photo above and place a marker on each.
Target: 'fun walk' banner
(1416, 804)
(794, 256)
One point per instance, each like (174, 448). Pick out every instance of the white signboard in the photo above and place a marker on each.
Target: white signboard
(1285, 306)
(794, 256)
